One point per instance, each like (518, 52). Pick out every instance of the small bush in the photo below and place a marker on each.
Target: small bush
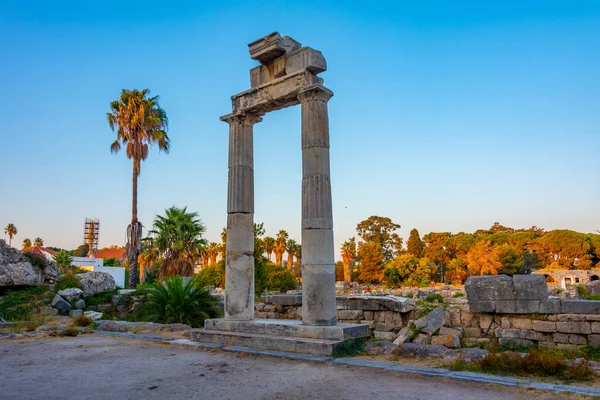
(82, 320)
(582, 290)
(349, 348)
(410, 295)
(66, 282)
(37, 260)
(211, 276)
(433, 297)
(176, 302)
(70, 331)
(457, 295)
(280, 279)
(593, 297)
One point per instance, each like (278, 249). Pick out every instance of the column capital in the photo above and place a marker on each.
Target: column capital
(241, 119)
(316, 92)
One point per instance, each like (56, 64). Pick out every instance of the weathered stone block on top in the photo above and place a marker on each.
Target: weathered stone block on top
(530, 287)
(301, 59)
(271, 46)
(581, 306)
(489, 288)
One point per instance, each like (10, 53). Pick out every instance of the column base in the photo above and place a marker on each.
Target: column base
(279, 335)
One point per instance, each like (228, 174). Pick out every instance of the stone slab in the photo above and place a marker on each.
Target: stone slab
(317, 347)
(290, 328)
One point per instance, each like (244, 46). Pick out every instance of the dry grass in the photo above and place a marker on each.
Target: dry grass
(82, 320)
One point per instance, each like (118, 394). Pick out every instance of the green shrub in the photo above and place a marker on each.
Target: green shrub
(582, 290)
(37, 260)
(593, 297)
(211, 276)
(410, 295)
(175, 302)
(349, 348)
(434, 296)
(280, 279)
(66, 282)
(457, 295)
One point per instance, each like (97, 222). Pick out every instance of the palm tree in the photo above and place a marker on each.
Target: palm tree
(139, 122)
(26, 243)
(204, 260)
(223, 248)
(290, 248)
(212, 251)
(63, 259)
(269, 243)
(38, 242)
(147, 258)
(298, 255)
(348, 257)
(280, 246)
(11, 231)
(178, 238)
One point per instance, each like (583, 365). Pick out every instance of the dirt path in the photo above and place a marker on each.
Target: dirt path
(99, 367)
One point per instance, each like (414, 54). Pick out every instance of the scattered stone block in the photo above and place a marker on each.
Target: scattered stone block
(451, 341)
(384, 335)
(377, 348)
(94, 315)
(422, 339)
(96, 282)
(61, 304)
(403, 336)
(80, 304)
(70, 294)
(75, 313)
(449, 331)
(422, 350)
(432, 321)
(386, 327)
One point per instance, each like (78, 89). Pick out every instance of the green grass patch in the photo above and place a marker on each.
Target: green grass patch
(458, 295)
(21, 305)
(433, 297)
(100, 298)
(66, 282)
(593, 297)
(543, 363)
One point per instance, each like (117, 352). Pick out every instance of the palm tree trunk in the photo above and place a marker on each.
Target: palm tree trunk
(134, 234)
(348, 271)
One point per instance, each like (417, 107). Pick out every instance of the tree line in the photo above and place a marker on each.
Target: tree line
(380, 257)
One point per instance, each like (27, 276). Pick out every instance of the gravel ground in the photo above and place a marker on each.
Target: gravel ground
(99, 367)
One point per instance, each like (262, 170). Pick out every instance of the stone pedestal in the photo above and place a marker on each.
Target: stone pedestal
(318, 270)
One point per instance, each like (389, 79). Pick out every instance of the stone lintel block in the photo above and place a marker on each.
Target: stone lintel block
(581, 306)
(240, 190)
(271, 46)
(274, 95)
(239, 287)
(306, 58)
(318, 292)
(527, 306)
(360, 303)
(315, 161)
(530, 287)
(240, 233)
(317, 248)
(506, 307)
(544, 326)
(489, 288)
(550, 306)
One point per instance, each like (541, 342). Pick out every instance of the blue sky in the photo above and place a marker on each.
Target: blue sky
(447, 116)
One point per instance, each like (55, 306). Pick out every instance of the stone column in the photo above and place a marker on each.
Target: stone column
(239, 282)
(318, 270)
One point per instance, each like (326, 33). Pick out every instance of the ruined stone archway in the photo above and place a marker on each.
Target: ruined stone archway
(286, 76)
